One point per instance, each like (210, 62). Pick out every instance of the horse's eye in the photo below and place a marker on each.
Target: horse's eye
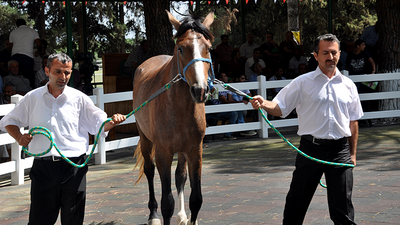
(180, 50)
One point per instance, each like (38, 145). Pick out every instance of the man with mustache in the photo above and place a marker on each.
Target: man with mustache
(70, 115)
(328, 107)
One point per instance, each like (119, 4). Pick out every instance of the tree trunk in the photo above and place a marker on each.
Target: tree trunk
(158, 28)
(389, 50)
(293, 15)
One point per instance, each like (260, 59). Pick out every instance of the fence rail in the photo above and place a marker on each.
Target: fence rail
(17, 165)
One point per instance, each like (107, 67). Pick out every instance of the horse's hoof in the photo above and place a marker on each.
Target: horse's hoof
(180, 218)
(154, 222)
(187, 222)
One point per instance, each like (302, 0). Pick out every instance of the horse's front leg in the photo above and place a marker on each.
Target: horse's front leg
(196, 198)
(180, 180)
(164, 162)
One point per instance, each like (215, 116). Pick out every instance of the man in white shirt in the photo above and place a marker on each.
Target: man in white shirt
(328, 108)
(255, 59)
(246, 50)
(70, 115)
(22, 41)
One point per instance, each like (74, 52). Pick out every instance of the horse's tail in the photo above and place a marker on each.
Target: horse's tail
(140, 161)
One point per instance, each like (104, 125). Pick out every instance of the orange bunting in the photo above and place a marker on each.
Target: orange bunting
(247, 1)
(125, 2)
(209, 2)
(227, 2)
(23, 2)
(191, 3)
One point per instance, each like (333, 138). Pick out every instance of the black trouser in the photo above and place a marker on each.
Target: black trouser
(306, 178)
(57, 185)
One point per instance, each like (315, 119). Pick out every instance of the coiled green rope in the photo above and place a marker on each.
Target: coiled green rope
(44, 131)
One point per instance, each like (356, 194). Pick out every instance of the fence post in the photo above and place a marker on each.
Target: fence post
(17, 177)
(100, 157)
(262, 90)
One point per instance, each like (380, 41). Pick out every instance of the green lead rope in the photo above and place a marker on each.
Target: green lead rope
(44, 131)
(229, 87)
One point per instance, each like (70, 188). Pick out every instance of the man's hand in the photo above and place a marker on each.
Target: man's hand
(116, 119)
(24, 140)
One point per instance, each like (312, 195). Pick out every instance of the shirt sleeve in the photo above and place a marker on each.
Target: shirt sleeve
(288, 98)
(92, 118)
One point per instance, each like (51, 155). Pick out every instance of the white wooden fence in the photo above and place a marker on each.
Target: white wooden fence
(17, 165)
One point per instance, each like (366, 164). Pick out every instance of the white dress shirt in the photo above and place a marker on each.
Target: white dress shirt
(23, 39)
(69, 117)
(324, 106)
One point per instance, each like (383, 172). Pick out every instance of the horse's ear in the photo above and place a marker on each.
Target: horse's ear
(209, 20)
(173, 21)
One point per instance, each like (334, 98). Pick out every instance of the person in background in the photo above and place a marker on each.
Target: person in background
(39, 54)
(40, 77)
(255, 59)
(266, 48)
(5, 56)
(295, 61)
(287, 47)
(371, 36)
(22, 40)
(246, 50)
(328, 107)
(224, 49)
(15, 79)
(235, 66)
(235, 98)
(70, 115)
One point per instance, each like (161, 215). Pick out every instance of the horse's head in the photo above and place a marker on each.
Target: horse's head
(192, 52)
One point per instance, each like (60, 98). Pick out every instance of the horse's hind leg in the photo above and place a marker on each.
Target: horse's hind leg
(180, 180)
(149, 167)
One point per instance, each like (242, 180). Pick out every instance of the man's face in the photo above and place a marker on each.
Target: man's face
(250, 38)
(224, 77)
(328, 55)
(59, 74)
(302, 69)
(269, 38)
(257, 55)
(8, 92)
(225, 40)
(361, 47)
(258, 69)
(13, 68)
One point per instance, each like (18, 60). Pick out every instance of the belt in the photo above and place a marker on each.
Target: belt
(319, 141)
(55, 158)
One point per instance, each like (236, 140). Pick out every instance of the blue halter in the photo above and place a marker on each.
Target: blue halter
(211, 75)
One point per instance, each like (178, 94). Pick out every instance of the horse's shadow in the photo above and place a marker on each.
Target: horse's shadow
(109, 223)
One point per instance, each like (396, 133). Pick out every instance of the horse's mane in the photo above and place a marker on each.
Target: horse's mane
(193, 22)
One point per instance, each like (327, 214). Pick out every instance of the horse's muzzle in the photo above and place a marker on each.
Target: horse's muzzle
(199, 93)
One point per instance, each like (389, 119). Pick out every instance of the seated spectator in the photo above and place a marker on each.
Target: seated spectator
(235, 98)
(295, 61)
(235, 65)
(302, 69)
(221, 98)
(255, 59)
(246, 50)
(272, 65)
(39, 54)
(257, 71)
(287, 47)
(14, 78)
(135, 58)
(278, 76)
(8, 91)
(266, 48)
(40, 77)
(224, 49)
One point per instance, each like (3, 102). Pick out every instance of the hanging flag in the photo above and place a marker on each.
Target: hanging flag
(209, 2)
(191, 3)
(23, 2)
(247, 1)
(227, 2)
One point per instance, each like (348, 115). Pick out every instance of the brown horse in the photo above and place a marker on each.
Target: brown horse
(174, 122)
